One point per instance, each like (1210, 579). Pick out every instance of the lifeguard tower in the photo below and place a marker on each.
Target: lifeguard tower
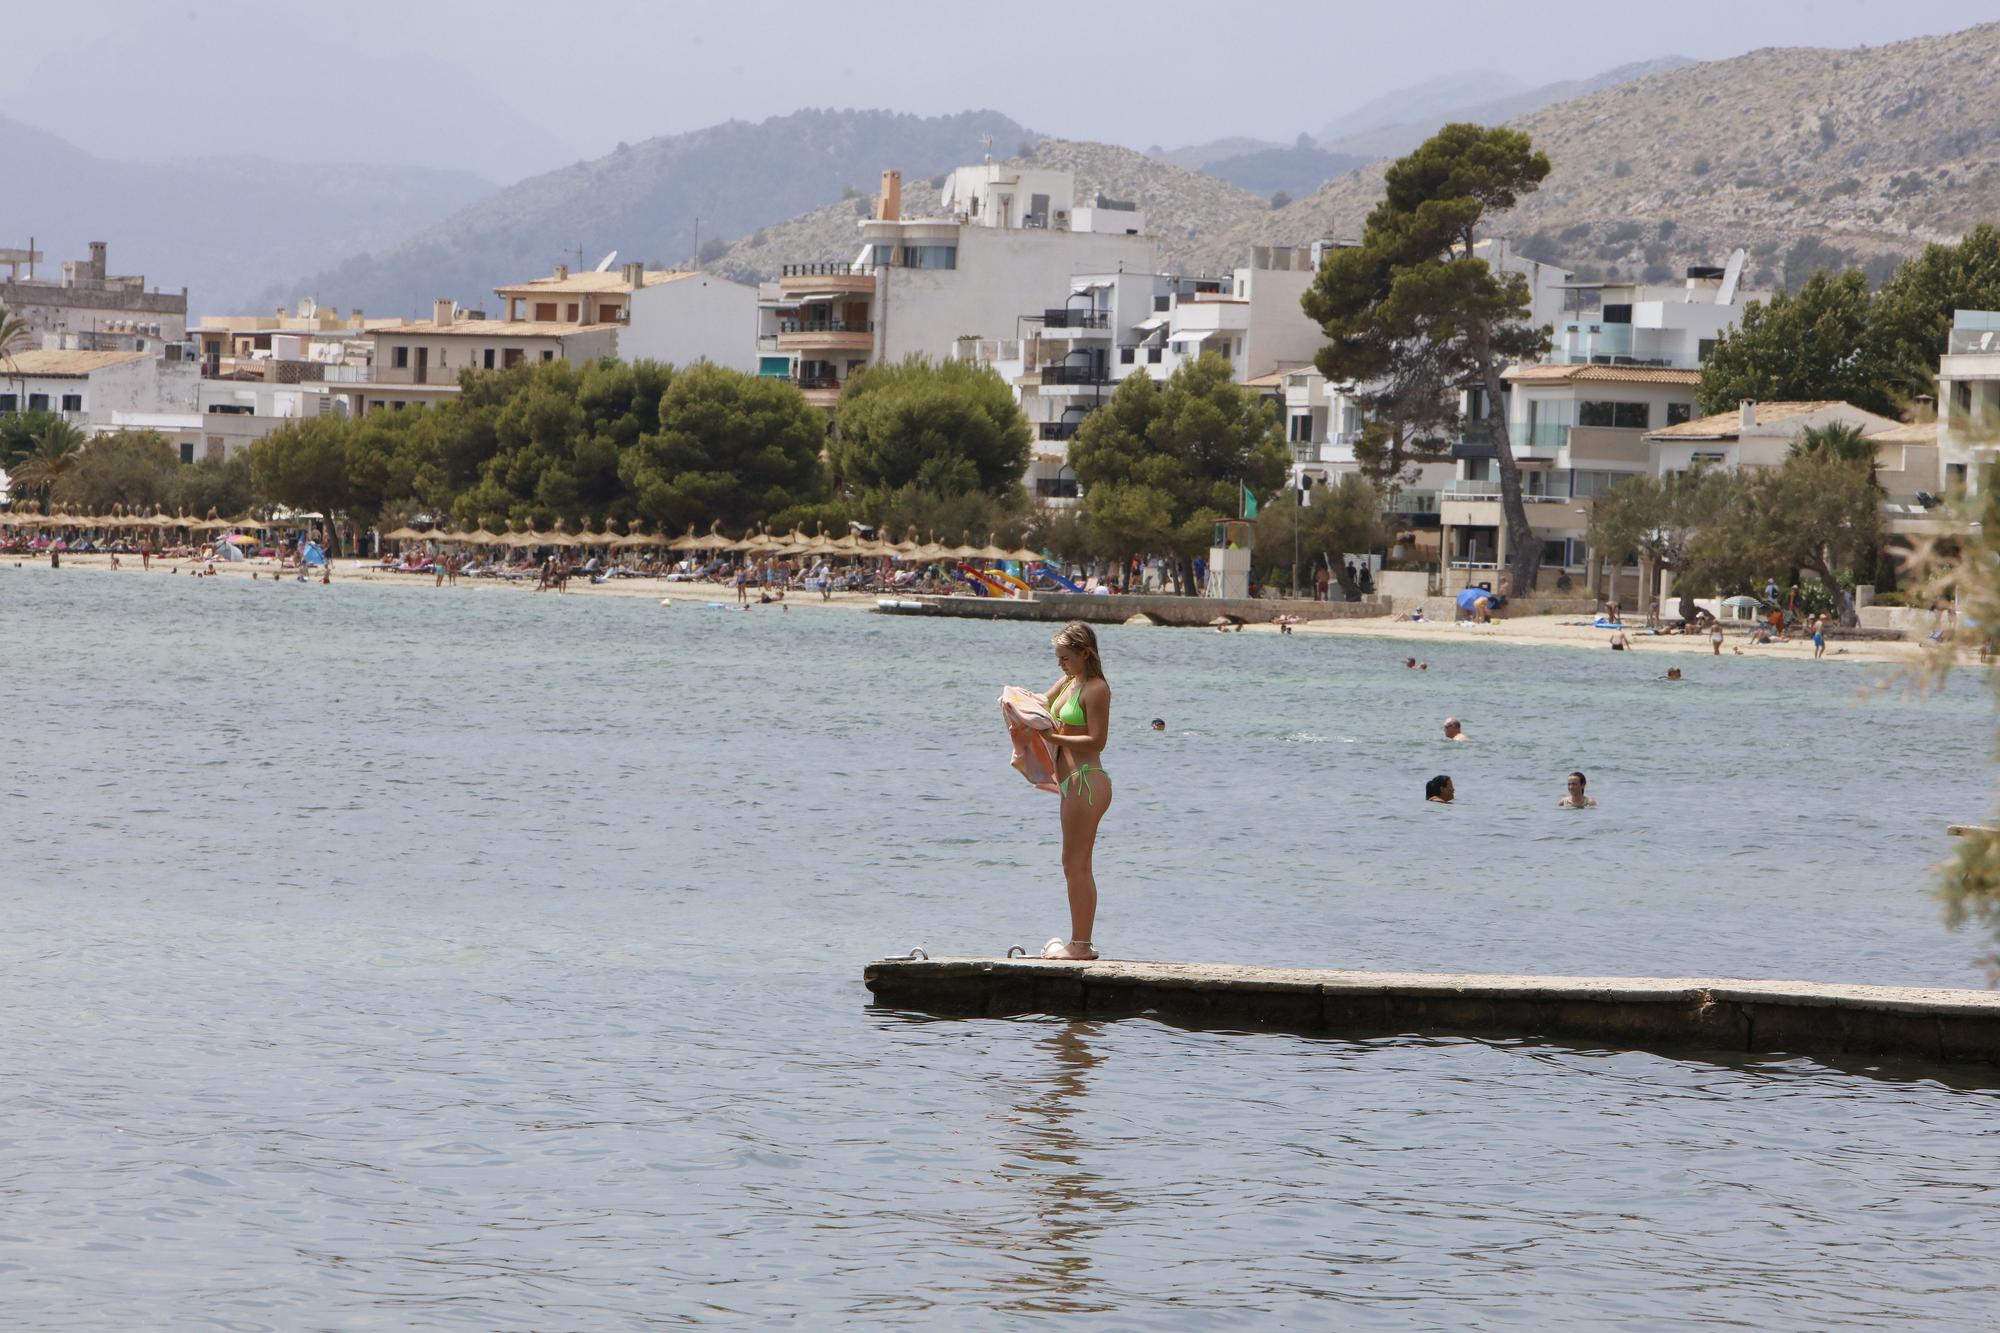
(1229, 559)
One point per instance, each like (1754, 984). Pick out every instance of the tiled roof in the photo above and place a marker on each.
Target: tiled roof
(1550, 374)
(498, 328)
(1909, 432)
(64, 364)
(610, 281)
(1728, 425)
(1274, 380)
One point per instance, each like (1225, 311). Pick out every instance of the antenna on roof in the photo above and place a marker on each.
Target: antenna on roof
(986, 142)
(1732, 274)
(604, 264)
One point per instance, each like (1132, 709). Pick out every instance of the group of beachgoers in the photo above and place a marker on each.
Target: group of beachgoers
(1441, 791)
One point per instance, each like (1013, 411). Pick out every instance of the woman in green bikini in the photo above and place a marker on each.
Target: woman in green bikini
(1081, 704)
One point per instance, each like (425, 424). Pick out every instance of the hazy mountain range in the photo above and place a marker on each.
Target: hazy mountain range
(1800, 155)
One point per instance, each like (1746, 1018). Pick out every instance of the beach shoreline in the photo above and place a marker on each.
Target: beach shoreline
(1550, 631)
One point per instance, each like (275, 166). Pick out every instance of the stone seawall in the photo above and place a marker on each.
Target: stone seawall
(1793, 1017)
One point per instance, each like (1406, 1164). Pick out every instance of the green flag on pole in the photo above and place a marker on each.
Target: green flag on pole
(1249, 502)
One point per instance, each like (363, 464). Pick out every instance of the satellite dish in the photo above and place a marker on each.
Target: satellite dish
(604, 264)
(1731, 275)
(308, 307)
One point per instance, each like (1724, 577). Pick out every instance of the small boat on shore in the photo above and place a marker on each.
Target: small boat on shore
(901, 606)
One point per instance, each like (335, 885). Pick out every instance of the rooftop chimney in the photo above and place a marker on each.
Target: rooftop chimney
(635, 275)
(1746, 414)
(562, 271)
(889, 204)
(441, 310)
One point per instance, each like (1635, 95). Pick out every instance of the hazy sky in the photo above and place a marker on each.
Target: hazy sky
(510, 87)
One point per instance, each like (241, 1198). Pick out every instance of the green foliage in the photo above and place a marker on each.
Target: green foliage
(1160, 463)
(1838, 438)
(951, 517)
(55, 449)
(1413, 312)
(213, 484)
(135, 469)
(946, 426)
(17, 434)
(729, 447)
(1661, 519)
(1913, 310)
(1814, 345)
(302, 465)
(1342, 519)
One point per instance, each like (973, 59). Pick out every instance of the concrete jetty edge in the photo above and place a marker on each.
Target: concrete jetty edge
(1789, 1017)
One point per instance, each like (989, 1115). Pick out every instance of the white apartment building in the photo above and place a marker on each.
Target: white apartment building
(1969, 399)
(1002, 237)
(678, 316)
(91, 389)
(1650, 324)
(419, 363)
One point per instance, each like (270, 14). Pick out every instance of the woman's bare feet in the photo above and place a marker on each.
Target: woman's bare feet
(1069, 951)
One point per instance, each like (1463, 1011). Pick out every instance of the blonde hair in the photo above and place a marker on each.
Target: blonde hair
(1081, 639)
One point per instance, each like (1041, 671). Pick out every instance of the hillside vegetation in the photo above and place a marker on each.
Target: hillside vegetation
(1805, 157)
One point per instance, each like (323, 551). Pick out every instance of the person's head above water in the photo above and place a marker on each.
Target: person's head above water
(1159, 724)
(1452, 731)
(1439, 789)
(1076, 649)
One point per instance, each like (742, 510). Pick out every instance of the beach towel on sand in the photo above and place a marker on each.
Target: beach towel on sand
(1027, 717)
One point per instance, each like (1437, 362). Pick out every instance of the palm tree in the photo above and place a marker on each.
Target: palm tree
(13, 337)
(1839, 438)
(57, 450)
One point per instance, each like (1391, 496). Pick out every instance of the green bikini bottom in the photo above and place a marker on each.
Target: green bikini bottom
(1081, 776)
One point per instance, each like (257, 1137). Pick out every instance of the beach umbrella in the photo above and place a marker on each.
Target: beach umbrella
(481, 537)
(1468, 598)
(906, 549)
(1740, 600)
(687, 541)
(239, 539)
(405, 533)
(991, 551)
(635, 539)
(1025, 556)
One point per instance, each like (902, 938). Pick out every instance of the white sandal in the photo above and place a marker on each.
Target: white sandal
(1053, 951)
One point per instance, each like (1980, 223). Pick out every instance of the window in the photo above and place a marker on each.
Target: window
(548, 355)
(1555, 553)
(487, 360)
(1153, 356)
(512, 357)
(1591, 484)
(1055, 488)
(38, 402)
(1703, 348)
(72, 402)
(1302, 429)
(1161, 304)
(569, 312)
(402, 358)
(1617, 314)
(1679, 412)
(187, 452)
(545, 311)
(1708, 459)
(230, 409)
(930, 256)
(9, 403)
(440, 358)
(1623, 416)
(1127, 355)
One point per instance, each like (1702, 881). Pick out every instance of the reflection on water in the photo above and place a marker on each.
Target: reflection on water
(381, 959)
(1068, 1197)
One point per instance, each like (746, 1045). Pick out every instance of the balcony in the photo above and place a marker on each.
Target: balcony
(1076, 319)
(1058, 430)
(1072, 375)
(826, 326)
(822, 270)
(1608, 444)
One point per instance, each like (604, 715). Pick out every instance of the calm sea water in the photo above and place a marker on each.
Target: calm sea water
(413, 958)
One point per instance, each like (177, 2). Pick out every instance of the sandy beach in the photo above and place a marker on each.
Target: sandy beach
(1527, 631)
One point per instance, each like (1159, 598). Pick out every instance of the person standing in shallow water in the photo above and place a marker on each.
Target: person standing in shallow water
(1080, 703)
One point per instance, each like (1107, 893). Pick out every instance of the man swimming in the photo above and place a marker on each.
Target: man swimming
(1454, 732)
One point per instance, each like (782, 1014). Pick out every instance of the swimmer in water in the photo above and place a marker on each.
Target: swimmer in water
(1080, 703)
(1673, 673)
(1575, 799)
(1454, 732)
(1439, 791)
(1410, 663)
(1159, 724)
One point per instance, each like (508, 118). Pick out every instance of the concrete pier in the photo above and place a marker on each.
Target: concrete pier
(1651, 1013)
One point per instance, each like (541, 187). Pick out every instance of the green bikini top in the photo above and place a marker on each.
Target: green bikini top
(1071, 712)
